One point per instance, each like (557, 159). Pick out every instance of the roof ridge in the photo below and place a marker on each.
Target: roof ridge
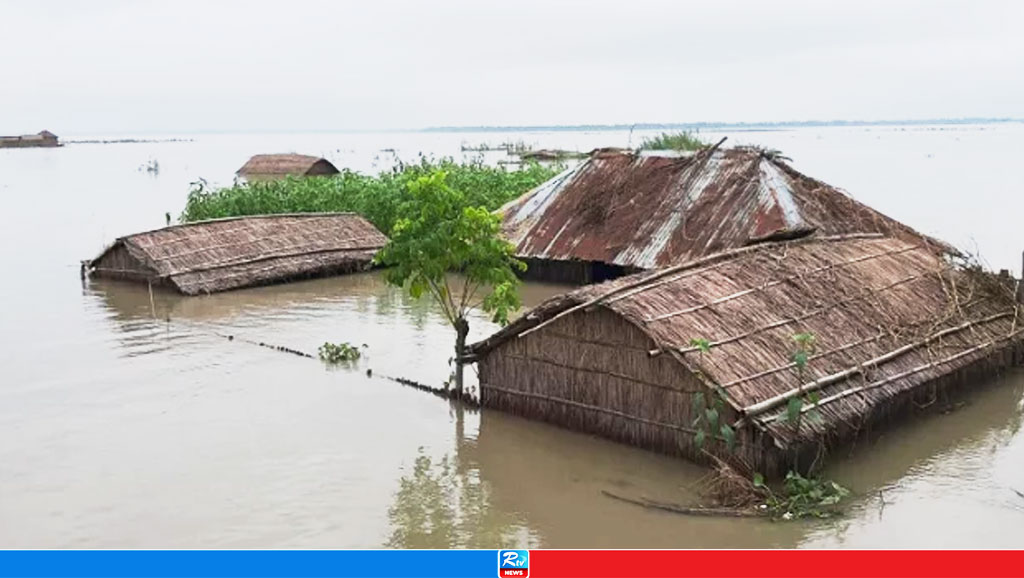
(241, 217)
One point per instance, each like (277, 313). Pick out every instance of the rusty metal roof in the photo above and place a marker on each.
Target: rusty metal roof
(650, 210)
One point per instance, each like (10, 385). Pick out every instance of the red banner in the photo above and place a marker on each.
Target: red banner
(775, 563)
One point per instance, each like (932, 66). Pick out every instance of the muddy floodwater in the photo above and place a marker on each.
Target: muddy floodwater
(131, 421)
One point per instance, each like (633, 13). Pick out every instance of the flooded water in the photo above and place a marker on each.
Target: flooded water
(131, 422)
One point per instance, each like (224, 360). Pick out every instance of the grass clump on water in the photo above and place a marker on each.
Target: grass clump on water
(377, 198)
(678, 141)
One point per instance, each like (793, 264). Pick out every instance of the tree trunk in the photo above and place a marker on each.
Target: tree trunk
(461, 331)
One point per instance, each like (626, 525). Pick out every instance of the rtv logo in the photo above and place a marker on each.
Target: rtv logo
(513, 563)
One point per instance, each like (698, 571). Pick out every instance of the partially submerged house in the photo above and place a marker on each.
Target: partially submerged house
(43, 138)
(620, 211)
(223, 254)
(895, 325)
(279, 166)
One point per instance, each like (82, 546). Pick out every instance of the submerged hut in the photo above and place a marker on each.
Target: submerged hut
(621, 212)
(43, 138)
(885, 325)
(223, 254)
(279, 166)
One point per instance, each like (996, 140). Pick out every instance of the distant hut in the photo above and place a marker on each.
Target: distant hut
(895, 325)
(42, 139)
(621, 212)
(270, 167)
(224, 254)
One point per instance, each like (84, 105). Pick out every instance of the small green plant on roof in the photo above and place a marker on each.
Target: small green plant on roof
(678, 141)
(803, 403)
(437, 235)
(801, 497)
(708, 410)
(335, 353)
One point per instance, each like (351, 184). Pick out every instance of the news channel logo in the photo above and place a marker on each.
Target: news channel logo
(513, 563)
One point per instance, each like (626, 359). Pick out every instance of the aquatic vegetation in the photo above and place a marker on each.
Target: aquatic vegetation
(678, 141)
(802, 497)
(343, 352)
(438, 232)
(378, 198)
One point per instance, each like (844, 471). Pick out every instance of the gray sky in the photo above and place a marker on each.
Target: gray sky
(134, 66)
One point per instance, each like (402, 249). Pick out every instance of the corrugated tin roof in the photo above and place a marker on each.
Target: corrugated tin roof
(651, 210)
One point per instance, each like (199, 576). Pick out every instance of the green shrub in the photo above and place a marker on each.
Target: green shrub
(377, 198)
(339, 352)
(679, 141)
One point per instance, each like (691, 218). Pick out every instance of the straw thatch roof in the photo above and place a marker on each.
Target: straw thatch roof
(888, 317)
(281, 165)
(224, 254)
(652, 209)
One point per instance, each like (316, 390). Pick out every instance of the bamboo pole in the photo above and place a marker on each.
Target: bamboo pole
(602, 372)
(792, 364)
(268, 239)
(267, 257)
(152, 305)
(797, 319)
(777, 400)
(589, 407)
(909, 372)
(688, 510)
(775, 282)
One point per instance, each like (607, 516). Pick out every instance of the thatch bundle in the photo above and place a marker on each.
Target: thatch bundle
(892, 321)
(223, 254)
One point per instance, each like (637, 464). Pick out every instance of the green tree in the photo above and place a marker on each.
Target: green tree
(437, 234)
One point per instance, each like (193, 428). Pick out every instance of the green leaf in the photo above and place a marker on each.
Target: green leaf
(759, 480)
(697, 405)
(698, 438)
(702, 345)
(712, 416)
(729, 435)
(800, 359)
(804, 341)
(793, 407)
(814, 416)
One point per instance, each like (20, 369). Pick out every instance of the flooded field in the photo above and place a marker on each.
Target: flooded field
(131, 422)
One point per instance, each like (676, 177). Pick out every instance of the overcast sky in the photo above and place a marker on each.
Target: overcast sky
(136, 66)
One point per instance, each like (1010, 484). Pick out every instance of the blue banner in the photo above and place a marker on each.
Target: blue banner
(259, 563)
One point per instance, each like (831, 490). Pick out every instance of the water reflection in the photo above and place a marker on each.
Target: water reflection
(522, 483)
(506, 481)
(442, 504)
(961, 465)
(363, 292)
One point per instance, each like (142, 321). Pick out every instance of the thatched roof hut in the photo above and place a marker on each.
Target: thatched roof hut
(224, 254)
(894, 323)
(620, 211)
(277, 166)
(43, 138)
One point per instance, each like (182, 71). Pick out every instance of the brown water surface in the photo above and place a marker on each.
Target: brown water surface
(126, 422)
